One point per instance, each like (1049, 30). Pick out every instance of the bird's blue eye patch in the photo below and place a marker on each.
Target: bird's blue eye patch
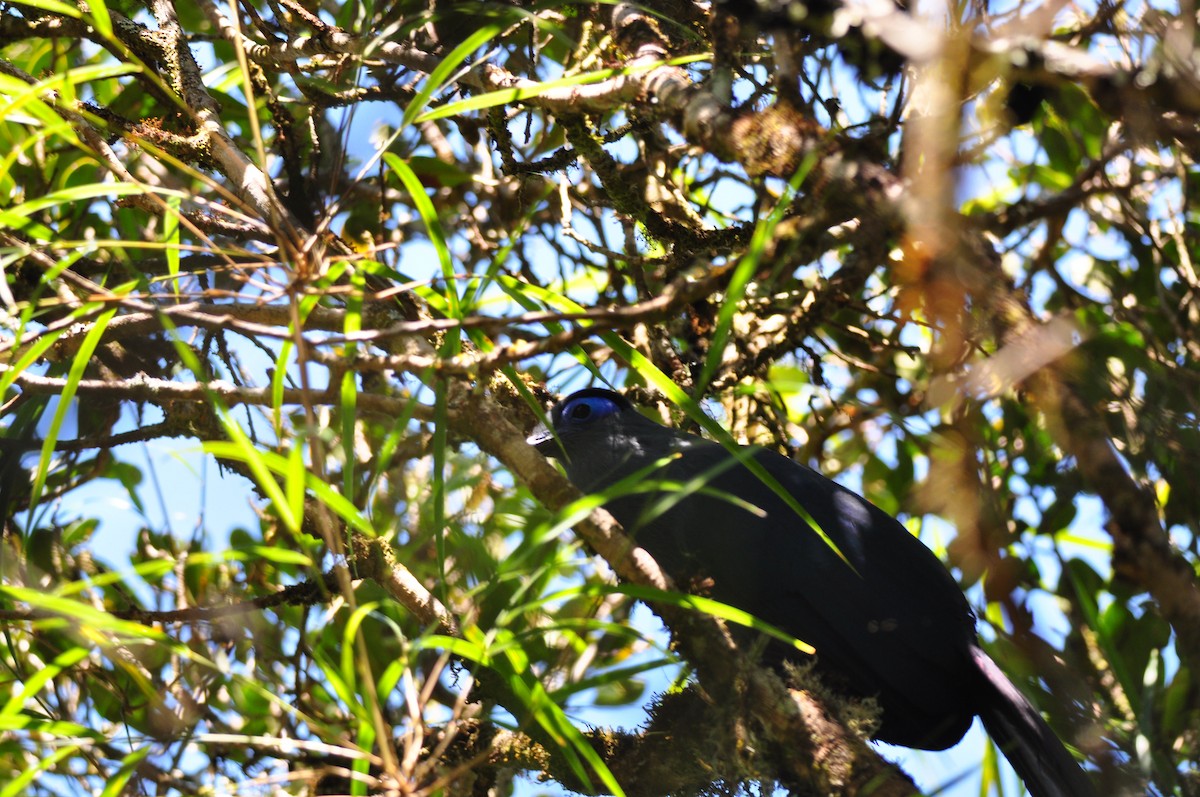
(587, 409)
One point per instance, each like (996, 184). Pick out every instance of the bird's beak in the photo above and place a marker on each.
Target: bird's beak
(543, 440)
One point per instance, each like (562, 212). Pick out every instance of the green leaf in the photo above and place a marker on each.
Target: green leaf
(86, 615)
(74, 375)
(432, 225)
(103, 24)
(445, 68)
(118, 780)
(282, 556)
(40, 677)
(532, 90)
(747, 266)
(47, 762)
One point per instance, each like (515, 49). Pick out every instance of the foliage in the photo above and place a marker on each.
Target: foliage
(344, 253)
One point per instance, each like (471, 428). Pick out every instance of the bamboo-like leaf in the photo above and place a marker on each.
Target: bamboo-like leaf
(438, 492)
(294, 482)
(348, 405)
(532, 91)
(74, 375)
(271, 463)
(341, 505)
(170, 232)
(282, 556)
(34, 351)
(154, 568)
(617, 675)
(129, 767)
(513, 666)
(21, 94)
(764, 231)
(46, 763)
(683, 600)
(39, 678)
(445, 69)
(497, 652)
(348, 663)
(344, 691)
(17, 723)
(86, 615)
(242, 449)
(535, 297)
(1086, 603)
(55, 7)
(278, 383)
(365, 737)
(17, 216)
(100, 18)
(433, 226)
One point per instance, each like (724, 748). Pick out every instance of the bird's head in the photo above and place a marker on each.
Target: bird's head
(585, 417)
(597, 435)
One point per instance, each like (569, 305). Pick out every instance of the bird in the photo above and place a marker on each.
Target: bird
(885, 616)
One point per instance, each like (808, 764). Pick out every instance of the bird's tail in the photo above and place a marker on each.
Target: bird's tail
(1024, 737)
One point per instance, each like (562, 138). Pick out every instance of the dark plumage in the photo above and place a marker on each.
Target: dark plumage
(891, 623)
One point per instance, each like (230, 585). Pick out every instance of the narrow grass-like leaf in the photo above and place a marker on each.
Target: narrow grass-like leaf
(281, 556)
(85, 614)
(391, 676)
(349, 669)
(497, 652)
(1092, 543)
(445, 68)
(36, 349)
(55, 7)
(46, 762)
(428, 213)
(278, 383)
(17, 213)
(60, 730)
(170, 236)
(989, 771)
(242, 449)
(764, 231)
(535, 297)
(344, 691)
(294, 481)
(154, 568)
(40, 677)
(687, 601)
(471, 650)
(341, 505)
(1086, 604)
(129, 764)
(365, 739)
(82, 357)
(271, 463)
(561, 694)
(100, 18)
(391, 441)
(286, 347)
(513, 666)
(348, 405)
(532, 90)
(18, 94)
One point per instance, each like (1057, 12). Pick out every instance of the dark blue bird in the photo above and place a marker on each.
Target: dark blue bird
(886, 618)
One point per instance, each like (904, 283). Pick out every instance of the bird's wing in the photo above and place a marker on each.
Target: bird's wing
(883, 613)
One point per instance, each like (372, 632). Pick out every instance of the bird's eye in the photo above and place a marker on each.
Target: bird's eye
(586, 409)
